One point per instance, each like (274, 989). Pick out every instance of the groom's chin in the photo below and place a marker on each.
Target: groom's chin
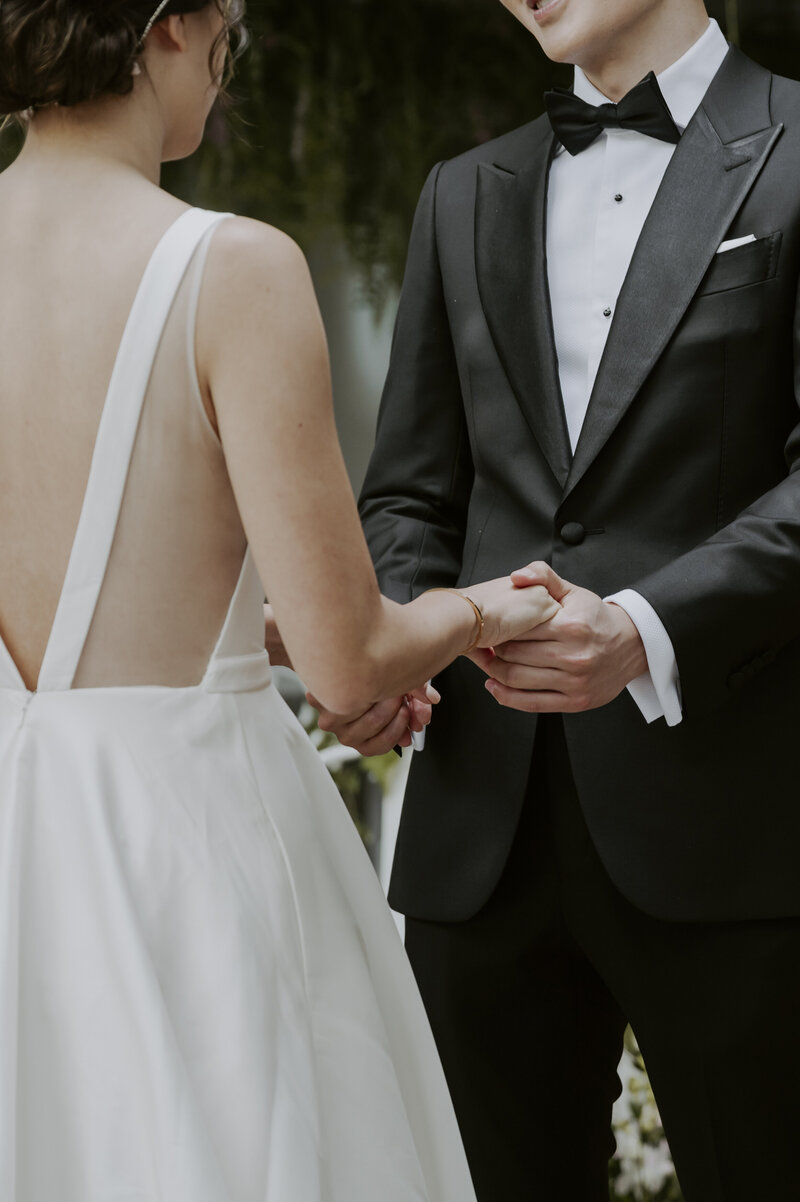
(553, 25)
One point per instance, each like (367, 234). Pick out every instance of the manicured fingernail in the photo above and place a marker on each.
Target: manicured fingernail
(433, 694)
(491, 685)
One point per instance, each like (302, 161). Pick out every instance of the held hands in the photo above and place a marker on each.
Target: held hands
(548, 646)
(582, 658)
(512, 606)
(384, 726)
(510, 609)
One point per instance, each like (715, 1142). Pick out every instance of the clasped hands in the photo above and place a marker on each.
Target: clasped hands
(580, 659)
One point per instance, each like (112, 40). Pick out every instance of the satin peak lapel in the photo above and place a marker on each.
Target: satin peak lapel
(510, 259)
(714, 166)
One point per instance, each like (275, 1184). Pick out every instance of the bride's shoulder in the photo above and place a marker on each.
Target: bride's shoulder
(244, 249)
(255, 272)
(257, 298)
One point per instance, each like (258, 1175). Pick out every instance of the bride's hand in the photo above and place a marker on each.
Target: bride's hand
(384, 725)
(511, 608)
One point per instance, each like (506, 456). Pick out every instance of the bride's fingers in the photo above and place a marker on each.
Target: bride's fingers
(354, 730)
(372, 741)
(539, 572)
(396, 734)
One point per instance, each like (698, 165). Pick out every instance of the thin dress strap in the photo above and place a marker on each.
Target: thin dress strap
(116, 436)
(10, 677)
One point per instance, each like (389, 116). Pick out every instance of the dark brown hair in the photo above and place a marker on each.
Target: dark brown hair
(69, 51)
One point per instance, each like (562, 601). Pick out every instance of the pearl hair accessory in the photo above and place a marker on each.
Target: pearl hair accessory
(153, 20)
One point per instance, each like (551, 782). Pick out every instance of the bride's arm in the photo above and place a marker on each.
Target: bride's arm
(263, 359)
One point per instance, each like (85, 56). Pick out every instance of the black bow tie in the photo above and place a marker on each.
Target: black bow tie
(577, 124)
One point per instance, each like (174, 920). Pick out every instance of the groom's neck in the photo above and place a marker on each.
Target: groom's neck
(617, 62)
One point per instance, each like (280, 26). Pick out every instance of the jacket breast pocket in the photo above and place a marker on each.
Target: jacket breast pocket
(753, 263)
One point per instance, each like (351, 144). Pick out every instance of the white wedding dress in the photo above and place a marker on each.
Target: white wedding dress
(203, 997)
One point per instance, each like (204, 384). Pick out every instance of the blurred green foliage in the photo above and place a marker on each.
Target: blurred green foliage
(341, 109)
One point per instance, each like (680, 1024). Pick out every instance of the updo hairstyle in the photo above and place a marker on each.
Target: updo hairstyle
(66, 52)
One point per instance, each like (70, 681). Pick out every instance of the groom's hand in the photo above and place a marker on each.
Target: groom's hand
(383, 726)
(579, 660)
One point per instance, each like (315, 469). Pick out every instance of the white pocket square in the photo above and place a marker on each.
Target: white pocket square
(734, 242)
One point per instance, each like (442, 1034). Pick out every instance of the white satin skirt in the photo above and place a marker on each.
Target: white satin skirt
(203, 996)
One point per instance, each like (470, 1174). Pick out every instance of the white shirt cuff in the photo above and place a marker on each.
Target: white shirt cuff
(657, 691)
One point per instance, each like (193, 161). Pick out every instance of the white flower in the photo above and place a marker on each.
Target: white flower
(642, 1163)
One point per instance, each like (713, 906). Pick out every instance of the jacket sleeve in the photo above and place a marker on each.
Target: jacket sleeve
(415, 497)
(733, 603)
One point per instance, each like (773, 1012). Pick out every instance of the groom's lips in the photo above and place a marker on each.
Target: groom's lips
(542, 9)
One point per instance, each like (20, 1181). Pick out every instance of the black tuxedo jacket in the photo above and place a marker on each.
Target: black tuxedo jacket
(685, 485)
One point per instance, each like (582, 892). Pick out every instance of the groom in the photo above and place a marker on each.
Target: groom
(596, 363)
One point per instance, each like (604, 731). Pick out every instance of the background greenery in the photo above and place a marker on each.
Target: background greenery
(342, 108)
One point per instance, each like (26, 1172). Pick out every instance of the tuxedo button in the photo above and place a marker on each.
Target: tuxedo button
(573, 534)
(606, 313)
(619, 198)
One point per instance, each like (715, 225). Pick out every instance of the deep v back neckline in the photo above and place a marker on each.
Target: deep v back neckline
(111, 455)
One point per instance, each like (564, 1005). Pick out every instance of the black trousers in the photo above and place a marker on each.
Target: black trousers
(529, 1001)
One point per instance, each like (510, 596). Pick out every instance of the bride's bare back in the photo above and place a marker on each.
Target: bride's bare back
(71, 270)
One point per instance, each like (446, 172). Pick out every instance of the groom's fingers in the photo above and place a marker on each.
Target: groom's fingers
(538, 634)
(532, 701)
(525, 676)
(543, 653)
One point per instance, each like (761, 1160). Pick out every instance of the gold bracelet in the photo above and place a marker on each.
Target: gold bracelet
(476, 610)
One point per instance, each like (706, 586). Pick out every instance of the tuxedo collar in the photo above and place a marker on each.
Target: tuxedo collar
(684, 84)
(511, 267)
(716, 163)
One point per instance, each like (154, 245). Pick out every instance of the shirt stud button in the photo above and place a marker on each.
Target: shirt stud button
(619, 198)
(606, 313)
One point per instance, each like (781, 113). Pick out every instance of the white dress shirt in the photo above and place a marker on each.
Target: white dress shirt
(598, 202)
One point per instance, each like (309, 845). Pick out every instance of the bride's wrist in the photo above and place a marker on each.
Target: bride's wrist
(479, 620)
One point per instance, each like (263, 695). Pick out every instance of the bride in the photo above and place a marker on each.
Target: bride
(202, 995)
